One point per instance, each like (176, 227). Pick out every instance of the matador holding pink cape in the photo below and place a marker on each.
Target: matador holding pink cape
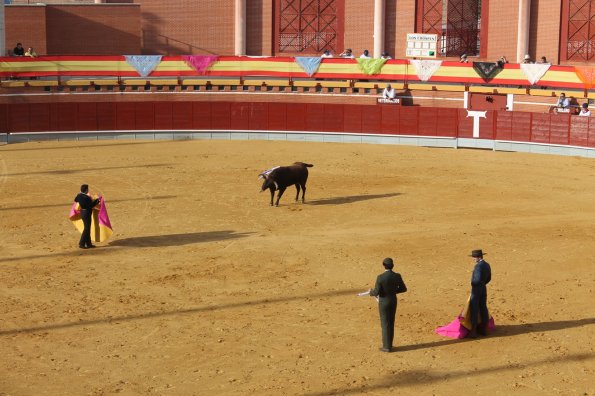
(89, 216)
(475, 318)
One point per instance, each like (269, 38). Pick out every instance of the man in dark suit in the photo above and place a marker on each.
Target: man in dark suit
(87, 204)
(482, 275)
(388, 285)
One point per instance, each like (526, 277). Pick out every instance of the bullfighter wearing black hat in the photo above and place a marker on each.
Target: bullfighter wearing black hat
(482, 274)
(388, 285)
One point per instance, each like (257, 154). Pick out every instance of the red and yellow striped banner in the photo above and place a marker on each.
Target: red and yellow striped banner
(330, 68)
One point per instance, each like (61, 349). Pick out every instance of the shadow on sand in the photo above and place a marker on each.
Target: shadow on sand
(79, 146)
(67, 204)
(420, 376)
(165, 314)
(72, 171)
(179, 239)
(146, 241)
(506, 331)
(350, 199)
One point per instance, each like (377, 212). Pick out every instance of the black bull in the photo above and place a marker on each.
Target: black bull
(284, 176)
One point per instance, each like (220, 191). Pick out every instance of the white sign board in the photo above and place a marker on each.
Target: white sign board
(421, 45)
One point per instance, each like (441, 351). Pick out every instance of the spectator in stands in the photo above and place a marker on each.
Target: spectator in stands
(585, 112)
(385, 55)
(326, 54)
(365, 55)
(502, 61)
(18, 50)
(389, 92)
(31, 52)
(543, 60)
(527, 59)
(347, 54)
(463, 59)
(563, 101)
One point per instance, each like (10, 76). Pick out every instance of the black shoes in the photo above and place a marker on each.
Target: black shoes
(385, 349)
(86, 247)
(90, 246)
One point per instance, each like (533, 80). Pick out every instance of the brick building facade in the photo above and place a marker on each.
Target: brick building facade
(75, 29)
(177, 27)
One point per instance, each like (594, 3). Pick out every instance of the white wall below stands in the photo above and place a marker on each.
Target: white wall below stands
(424, 141)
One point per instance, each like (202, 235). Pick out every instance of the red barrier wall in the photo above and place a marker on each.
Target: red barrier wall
(316, 117)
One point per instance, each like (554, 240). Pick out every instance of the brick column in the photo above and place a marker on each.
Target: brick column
(240, 27)
(378, 28)
(522, 47)
(2, 31)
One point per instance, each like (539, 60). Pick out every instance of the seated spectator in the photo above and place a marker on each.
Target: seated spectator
(31, 52)
(463, 59)
(389, 92)
(386, 56)
(365, 55)
(502, 61)
(527, 59)
(543, 60)
(19, 50)
(563, 101)
(347, 54)
(585, 112)
(326, 54)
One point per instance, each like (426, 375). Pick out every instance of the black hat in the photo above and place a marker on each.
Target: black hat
(388, 263)
(477, 253)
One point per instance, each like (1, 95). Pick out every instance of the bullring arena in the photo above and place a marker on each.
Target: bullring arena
(205, 288)
(171, 110)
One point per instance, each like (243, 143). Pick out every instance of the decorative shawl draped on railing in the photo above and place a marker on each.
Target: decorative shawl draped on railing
(200, 63)
(426, 68)
(309, 64)
(143, 64)
(447, 72)
(371, 66)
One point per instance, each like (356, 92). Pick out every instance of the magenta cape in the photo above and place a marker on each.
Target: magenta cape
(101, 227)
(460, 327)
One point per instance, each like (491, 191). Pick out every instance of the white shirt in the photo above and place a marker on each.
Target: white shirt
(563, 102)
(388, 93)
(326, 56)
(584, 113)
(362, 56)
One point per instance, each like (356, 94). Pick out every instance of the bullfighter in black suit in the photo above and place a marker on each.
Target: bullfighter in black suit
(388, 285)
(87, 204)
(482, 275)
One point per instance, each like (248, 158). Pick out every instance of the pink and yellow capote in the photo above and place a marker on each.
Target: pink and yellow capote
(101, 227)
(461, 326)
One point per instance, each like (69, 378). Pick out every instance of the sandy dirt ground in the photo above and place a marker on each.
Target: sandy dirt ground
(206, 289)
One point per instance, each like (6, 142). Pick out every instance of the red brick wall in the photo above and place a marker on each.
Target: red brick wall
(207, 26)
(359, 26)
(178, 27)
(259, 27)
(503, 29)
(26, 25)
(544, 39)
(405, 11)
(101, 29)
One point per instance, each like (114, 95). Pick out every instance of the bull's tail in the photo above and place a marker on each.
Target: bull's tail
(303, 164)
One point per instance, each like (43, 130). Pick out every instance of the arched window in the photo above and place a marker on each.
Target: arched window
(577, 31)
(308, 27)
(457, 23)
